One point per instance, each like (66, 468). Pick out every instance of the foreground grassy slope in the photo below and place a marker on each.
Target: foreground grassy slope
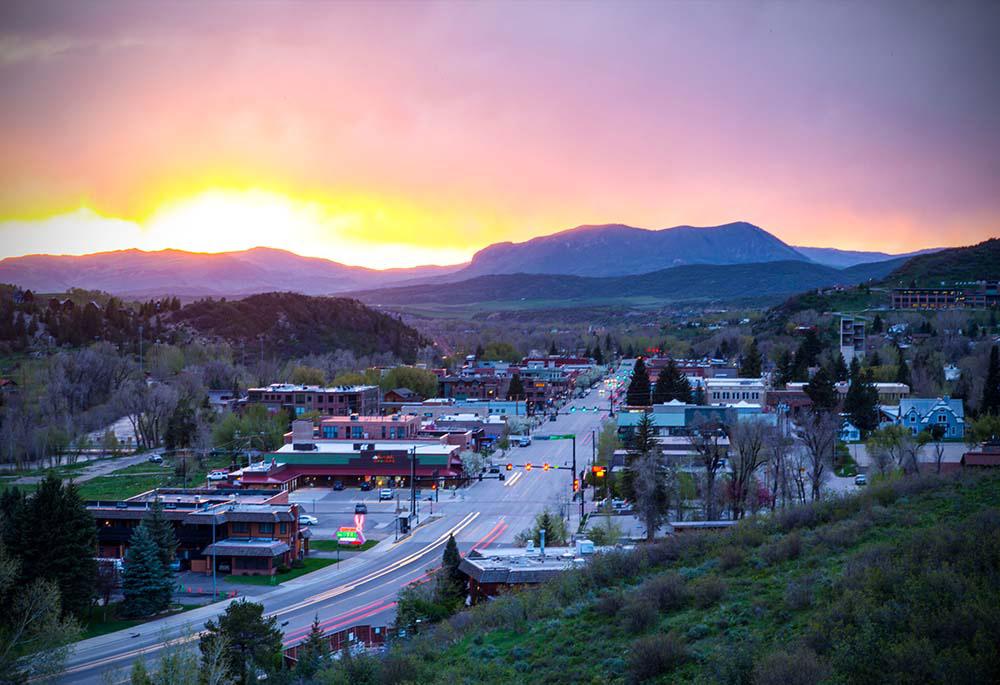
(900, 584)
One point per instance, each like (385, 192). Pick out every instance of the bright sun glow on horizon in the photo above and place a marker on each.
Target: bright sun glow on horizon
(230, 220)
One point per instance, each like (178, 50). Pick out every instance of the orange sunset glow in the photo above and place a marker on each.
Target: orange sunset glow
(401, 134)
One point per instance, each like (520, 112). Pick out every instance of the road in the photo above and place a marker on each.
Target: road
(363, 589)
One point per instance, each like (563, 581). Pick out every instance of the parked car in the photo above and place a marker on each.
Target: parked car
(384, 493)
(307, 520)
(338, 485)
(366, 485)
(552, 417)
(861, 479)
(360, 508)
(218, 474)
(155, 458)
(494, 469)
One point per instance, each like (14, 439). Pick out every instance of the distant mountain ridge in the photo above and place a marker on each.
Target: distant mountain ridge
(689, 282)
(841, 259)
(619, 250)
(611, 250)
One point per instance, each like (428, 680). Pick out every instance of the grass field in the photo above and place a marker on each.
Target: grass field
(94, 624)
(309, 566)
(146, 476)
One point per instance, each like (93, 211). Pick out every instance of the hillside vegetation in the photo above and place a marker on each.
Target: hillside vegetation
(973, 263)
(897, 585)
(300, 324)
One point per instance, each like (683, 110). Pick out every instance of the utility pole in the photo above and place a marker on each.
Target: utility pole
(413, 484)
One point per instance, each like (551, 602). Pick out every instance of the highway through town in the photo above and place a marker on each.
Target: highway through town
(363, 589)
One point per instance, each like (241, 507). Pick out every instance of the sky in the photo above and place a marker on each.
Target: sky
(401, 133)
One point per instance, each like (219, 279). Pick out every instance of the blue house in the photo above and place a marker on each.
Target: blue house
(919, 414)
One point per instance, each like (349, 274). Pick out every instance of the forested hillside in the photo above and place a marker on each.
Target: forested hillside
(973, 263)
(298, 325)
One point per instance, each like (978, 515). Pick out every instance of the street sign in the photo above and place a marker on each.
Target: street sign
(554, 437)
(347, 535)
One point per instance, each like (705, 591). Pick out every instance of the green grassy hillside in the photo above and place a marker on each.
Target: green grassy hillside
(900, 584)
(973, 263)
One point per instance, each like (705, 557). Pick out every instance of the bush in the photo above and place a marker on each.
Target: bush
(638, 615)
(610, 604)
(730, 558)
(784, 549)
(842, 534)
(708, 590)
(397, 668)
(666, 592)
(650, 657)
(800, 666)
(283, 569)
(748, 533)
(799, 594)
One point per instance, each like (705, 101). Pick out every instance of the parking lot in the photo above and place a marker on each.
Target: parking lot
(333, 509)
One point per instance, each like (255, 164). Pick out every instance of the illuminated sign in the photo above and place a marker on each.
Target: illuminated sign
(347, 535)
(385, 458)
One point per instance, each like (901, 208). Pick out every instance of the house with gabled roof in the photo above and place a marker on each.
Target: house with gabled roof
(919, 414)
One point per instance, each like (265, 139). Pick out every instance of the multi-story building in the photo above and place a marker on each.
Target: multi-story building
(888, 393)
(354, 427)
(254, 532)
(976, 295)
(852, 338)
(339, 400)
(919, 414)
(734, 390)
(474, 386)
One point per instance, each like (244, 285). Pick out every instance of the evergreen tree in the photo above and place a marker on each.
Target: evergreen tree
(855, 371)
(515, 391)
(698, 396)
(65, 553)
(785, 368)
(671, 384)
(991, 388)
(877, 324)
(162, 532)
(902, 369)
(875, 359)
(312, 652)
(840, 370)
(598, 356)
(452, 579)
(479, 351)
(587, 354)
(861, 403)
(751, 362)
(252, 642)
(638, 393)
(146, 584)
(552, 349)
(822, 391)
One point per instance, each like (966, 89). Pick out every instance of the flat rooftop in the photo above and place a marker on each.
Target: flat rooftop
(358, 446)
(289, 387)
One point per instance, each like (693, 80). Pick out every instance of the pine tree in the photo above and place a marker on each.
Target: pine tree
(552, 349)
(840, 370)
(751, 362)
(877, 324)
(785, 368)
(822, 391)
(146, 584)
(453, 580)
(638, 393)
(252, 641)
(875, 359)
(861, 403)
(65, 553)
(312, 652)
(698, 396)
(515, 391)
(991, 388)
(855, 371)
(902, 369)
(598, 356)
(162, 532)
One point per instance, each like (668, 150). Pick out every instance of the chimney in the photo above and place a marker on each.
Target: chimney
(302, 435)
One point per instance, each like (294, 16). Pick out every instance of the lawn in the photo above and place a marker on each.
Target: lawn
(309, 565)
(333, 545)
(139, 478)
(94, 624)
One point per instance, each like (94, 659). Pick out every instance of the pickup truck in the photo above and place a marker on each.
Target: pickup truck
(521, 440)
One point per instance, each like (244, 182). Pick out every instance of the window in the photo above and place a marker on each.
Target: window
(942, 418)
(282, 528)
(300, 399)
(239, 527)
(265, 528)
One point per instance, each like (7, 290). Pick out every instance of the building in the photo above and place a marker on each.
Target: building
(308, 461)
(725, 390)
(355, 427)
(919, 414)
(400, 395)
(986, 458)
(492, 572)
(676, 418)
(888, 393)
(433, 408)
(340, 400)
(254, 532)
(474, 386)
(975, 295)
(852, 338)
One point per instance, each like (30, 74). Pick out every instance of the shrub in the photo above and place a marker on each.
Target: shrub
(843, 534)
(653, 656)
(698, 631)
(803, 516)
(665, 592)
(396, 669)
(283, 569)
(785, 548)
(708, 590)
(799, 666)
(799, 594)
(748, 533)
(638, 615)
(730, 558)
(610, 604)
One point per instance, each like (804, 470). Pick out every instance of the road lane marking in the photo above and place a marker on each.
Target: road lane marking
(513, 479)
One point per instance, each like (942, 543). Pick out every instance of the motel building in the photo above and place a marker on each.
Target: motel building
(244, 533)
(308, 461)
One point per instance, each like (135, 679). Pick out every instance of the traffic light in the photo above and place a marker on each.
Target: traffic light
(545, 466)
(510, 467)
(576, 485)
(527, 467)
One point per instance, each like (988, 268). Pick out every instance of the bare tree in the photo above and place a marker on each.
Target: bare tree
(708, 439)
(777, 446)
(747, 439)
(818, 435)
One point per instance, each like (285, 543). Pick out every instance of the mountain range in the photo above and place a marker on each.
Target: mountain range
(605, 251)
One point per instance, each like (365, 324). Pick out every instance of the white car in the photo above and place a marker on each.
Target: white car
(219, 474)
(307, 520)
